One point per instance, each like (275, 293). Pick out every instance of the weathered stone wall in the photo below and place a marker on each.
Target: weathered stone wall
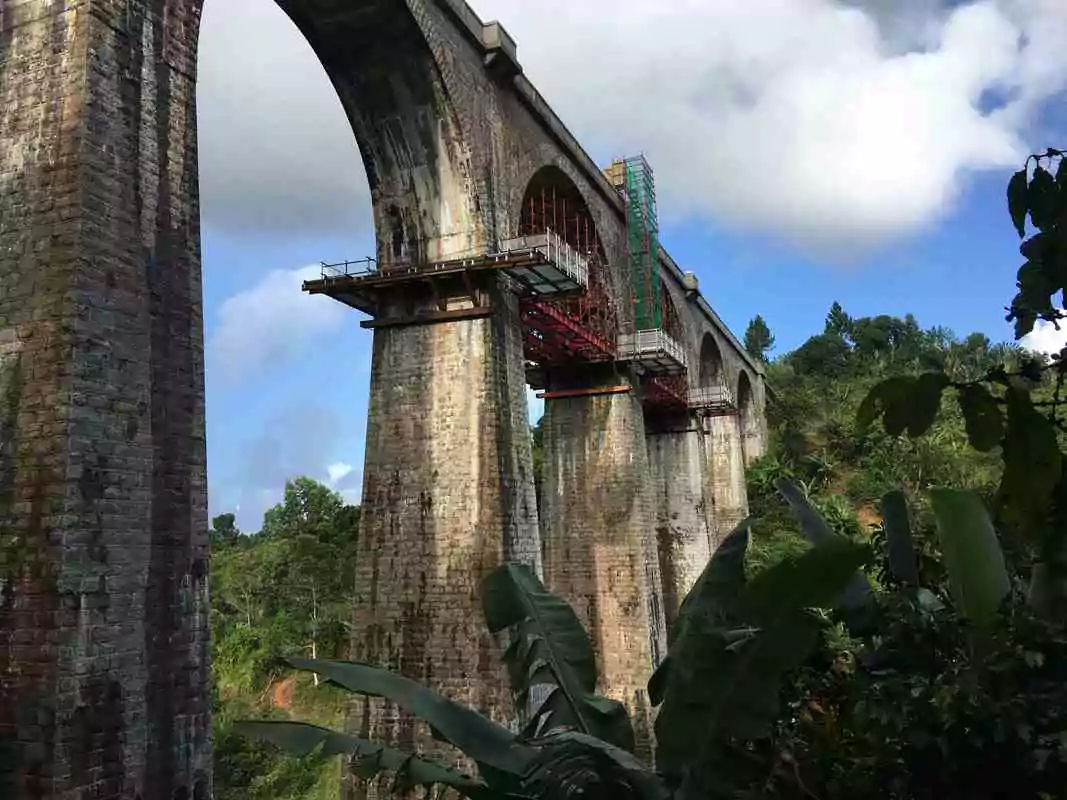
(751, 419)
(103, 592)
(678, 468)
(726, 475)
(597, 528)
(105, 665)
(447, 496)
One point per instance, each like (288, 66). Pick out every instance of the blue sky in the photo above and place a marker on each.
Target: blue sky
(806, 151)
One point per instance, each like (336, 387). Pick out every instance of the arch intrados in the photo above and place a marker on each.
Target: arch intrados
(711, 363)
(672, 320)
(384, 70)
(744, 391)
(551, 193)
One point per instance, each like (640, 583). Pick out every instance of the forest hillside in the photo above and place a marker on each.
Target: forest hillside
(286, 590)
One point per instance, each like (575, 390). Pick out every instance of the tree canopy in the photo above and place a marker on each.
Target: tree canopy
(758, 338)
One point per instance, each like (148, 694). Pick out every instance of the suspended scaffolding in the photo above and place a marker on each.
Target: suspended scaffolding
(714, 400)
(642, 234)
(579, 327)
(653, 344)
(541, 265)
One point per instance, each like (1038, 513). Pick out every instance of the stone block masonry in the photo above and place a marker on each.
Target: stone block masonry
(104, 663)
(678, 465)
(448, 495)
(726, 475)
(599, 546)
(104, 667)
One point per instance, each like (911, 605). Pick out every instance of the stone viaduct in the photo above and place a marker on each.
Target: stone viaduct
(506, 257)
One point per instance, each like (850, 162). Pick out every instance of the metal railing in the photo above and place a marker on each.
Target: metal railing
(650, 343)
(551, 247)
(717, 396)
(345, 269)
(555, 251)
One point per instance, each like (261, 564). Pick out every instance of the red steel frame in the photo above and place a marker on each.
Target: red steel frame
(574, 329)
(670, 391)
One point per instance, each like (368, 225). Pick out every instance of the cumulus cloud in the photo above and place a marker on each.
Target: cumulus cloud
(338, 471)
(1044, 338)
(277, 155)
(270, 323)
(295, 441)
(535, 405)
(838, 125)
(346, 480)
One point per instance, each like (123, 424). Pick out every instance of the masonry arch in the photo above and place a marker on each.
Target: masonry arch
(382, 66)
(748, 418)
(671, 319)
(552, 202)
(711, 364)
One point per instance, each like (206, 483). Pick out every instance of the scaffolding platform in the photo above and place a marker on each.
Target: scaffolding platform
(669, 392)
(717, 399)
(554, 336)
(653, 350)
(541, 265)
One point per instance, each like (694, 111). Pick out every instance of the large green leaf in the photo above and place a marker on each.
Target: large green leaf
(816, 579)
(725, 681)
(905, 403)
(982, 416)
(857, 594)
(973, 558)
(925, 402)
(708, 602)
(1033, 463)
(1044, 199)
(481, 739)
(368, 758)
(902, 563)
(550, 660)
(572, 764)
(1018, 191)
(890, 400)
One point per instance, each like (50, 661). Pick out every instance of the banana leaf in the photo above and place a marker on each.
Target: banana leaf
(856, 596)
(550, 660)
(368, 759)
(725, 679)
(708, 601)
(480, 738)
(902, 563)
(974, 560)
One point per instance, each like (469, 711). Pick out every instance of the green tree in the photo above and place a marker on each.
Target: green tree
(283, 592)
(838, 323)
(537, 435)
(224, 532)
(734, 641)
(758, 338)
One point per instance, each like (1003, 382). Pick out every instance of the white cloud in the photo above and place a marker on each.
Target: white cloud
(535, 405)
(823, 123)
(836, 124)
(277, 154)
(338, 471)
(294, 441)
(1044, 338)
(270, 323)
(347, 481)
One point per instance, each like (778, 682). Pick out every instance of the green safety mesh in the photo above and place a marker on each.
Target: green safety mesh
(642, 234)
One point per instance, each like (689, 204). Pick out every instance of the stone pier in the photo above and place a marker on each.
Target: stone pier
(104, 664)
(448, 495)
(726, 475)
(104, 655)
(598, 532)
(678, 465)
